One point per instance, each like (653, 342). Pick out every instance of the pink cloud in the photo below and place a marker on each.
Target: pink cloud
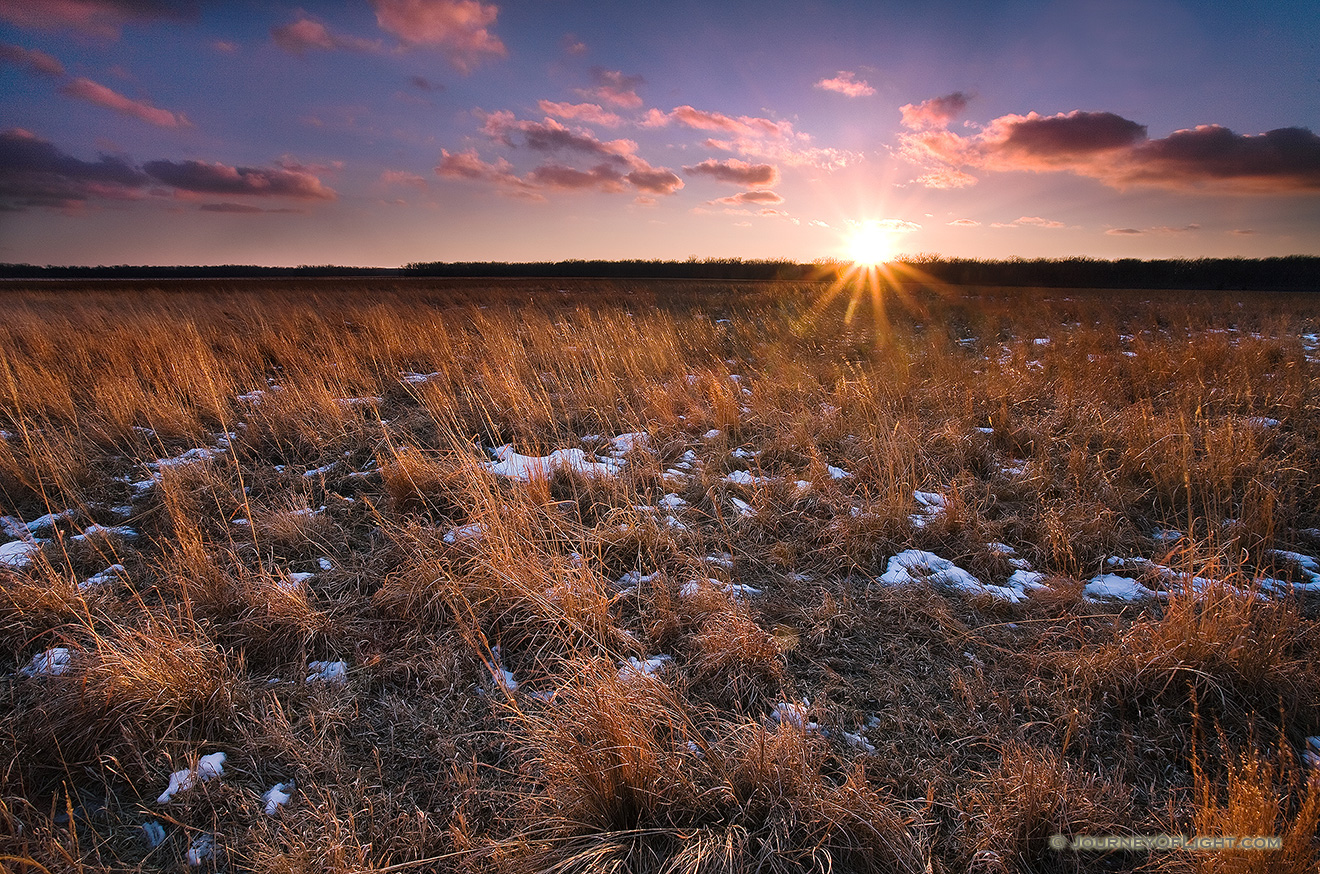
(572, 45)
(589, 113)
(32, 60)
(307, 33)
(551, 136)
(613, 87)
(92, 92)
(847, 84)
(737, 172)
(216, 178)
(964, 223)
(935, 112)
(1116, 151)
(1123, 232)
(102, 18)
(755, 137)
(225, 47)
(743, 126)
(1034, 221)
(459, 28)
(469, 166)
(655, 180)
(602, 177)
(746, 197)
(243, 209)
(402, 177)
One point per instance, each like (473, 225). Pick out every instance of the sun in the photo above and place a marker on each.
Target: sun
(870, 245)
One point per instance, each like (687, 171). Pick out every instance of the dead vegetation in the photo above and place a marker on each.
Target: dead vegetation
(287, 521)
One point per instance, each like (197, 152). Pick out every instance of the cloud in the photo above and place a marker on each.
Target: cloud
(589, 113)
(34, 172)
(402, 177)
(848, 84)
(217, 178)
(92, 92)
(1117, 152)
(964, 223)
(1123, 232)
(572, 45)
(746, 197)
(655, 180)
(1244, 232)
(896, 226)
(225, 47)
(612, 176)
(737, 172)
(102, 18)
(613, 87)
(754, 137)
(742, 126)
(459, 28)
(421, 83)
(32, 60)
(935, 112)
(1034, 221)
(946, 177)
(307, 33)
(551, 136)
(602, 177)
(242, 208)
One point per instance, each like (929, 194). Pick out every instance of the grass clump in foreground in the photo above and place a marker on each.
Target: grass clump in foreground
(655, 576)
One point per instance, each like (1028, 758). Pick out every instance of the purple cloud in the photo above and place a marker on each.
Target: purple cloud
(94, 92)
(34, 172)
(215, 178)
(735, 171)
(32, 60)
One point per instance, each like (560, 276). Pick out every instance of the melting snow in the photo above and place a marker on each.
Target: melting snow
(745, 478)
(625, 443)
(525, 468)
(503, 678)
(634, 668)
(693, 588)
(153, 833)
(931, 505)
(744, 509)
(105, 577)
(418, 378)
(51, 663)
(203, 848)
(711, 434)
(1112, 587)
(914, 565)
(334, 673)
(276, 797)
(1166, 535)
(837, 472)
(208, 768)
(470, 531)
(18, 553)
(101, 532)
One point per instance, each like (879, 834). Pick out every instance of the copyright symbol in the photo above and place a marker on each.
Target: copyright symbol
(1058, 842)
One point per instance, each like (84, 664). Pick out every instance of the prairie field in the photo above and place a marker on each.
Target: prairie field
(655, 576)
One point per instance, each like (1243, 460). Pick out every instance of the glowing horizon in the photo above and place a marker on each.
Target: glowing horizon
(383, 132)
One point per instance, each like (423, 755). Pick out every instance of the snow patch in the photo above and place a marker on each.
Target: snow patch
(51, 663)
(332, 673)
(916, 565)
(18, 554)
(208, 768)
(276, 797)
(525, 468)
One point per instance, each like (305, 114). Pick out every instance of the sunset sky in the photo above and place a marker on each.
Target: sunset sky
(378, 132)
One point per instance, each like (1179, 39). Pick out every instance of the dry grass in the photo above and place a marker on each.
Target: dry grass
(329, 499)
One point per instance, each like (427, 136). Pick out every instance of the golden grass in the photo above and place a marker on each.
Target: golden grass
(335, 506)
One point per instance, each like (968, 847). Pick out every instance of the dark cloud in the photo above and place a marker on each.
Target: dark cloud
(1285, 159)
(421, 83)
(242, 208)
(746, 197)
(551, 136)
(935, 112)
(1116, 151)
(735, 171)
(204, 178)
(102, 18)
(655, 180)
(602, 177)
(1061, 137)
(33, 172)
(32, 60)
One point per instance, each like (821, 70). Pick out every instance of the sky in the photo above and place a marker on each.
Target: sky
(382, 132)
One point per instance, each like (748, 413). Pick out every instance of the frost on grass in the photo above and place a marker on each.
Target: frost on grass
(208, 768)
(51, 663)
(914, 566)
(525, 468)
